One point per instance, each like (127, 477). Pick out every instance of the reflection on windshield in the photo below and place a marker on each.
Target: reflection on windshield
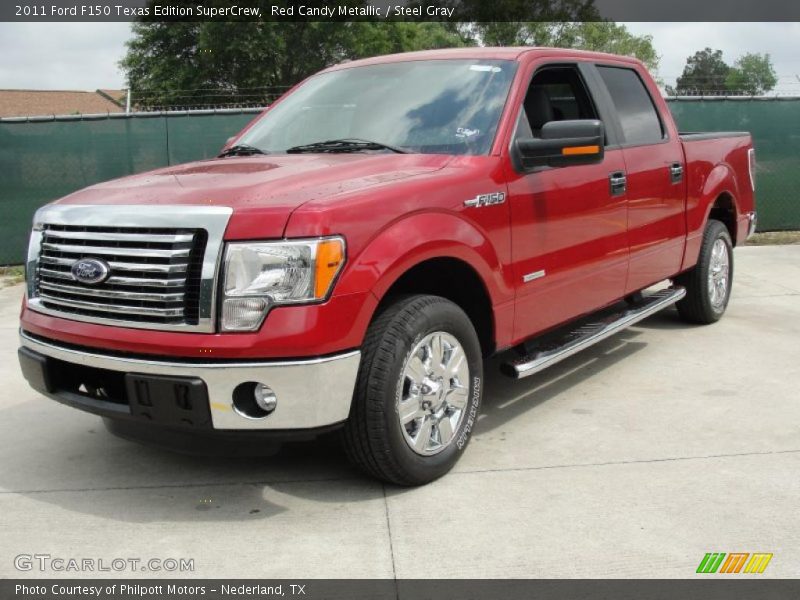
(432, 106)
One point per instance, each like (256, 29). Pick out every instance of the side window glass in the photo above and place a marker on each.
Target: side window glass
(555, 94)
(637, 113)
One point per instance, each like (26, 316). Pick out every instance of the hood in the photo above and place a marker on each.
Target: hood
(266, 187)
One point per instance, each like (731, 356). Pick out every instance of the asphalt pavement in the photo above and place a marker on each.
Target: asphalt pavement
(632, 459)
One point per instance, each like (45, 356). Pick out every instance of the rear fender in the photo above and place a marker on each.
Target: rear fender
(720, 180)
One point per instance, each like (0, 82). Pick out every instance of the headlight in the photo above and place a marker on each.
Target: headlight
(259, 275)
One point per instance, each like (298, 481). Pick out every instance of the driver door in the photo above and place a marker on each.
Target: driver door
(569, 224)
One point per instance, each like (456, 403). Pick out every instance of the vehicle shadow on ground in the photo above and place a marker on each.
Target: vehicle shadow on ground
(666, 319)
(506, 399)
(74, 463)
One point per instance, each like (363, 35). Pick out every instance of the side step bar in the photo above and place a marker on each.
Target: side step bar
(589, 334)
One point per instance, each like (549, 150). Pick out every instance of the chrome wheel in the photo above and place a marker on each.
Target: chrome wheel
(718, 274)
(432, 393)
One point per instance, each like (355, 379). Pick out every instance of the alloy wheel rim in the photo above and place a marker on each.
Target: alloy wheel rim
(718, 274)
(432, 393)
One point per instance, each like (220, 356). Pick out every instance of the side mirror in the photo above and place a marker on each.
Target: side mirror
(563, 143)
(228, 142)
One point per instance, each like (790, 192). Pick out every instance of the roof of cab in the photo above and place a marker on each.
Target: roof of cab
(482, 53)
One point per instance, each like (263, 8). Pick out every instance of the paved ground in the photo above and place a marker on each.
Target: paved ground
(631, 460)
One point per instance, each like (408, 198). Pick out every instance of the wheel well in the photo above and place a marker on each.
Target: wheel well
(455, 280)
(724, 210)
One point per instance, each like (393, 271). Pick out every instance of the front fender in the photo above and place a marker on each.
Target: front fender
(417, 238)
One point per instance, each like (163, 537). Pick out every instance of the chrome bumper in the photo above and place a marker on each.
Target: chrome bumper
(311, 393)
(752, 222)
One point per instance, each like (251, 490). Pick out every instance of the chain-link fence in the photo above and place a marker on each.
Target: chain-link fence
(775, 125)
(205, 99)
(44, 159)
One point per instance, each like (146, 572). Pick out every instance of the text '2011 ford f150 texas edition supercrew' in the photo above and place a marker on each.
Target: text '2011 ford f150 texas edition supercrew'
(355, 253)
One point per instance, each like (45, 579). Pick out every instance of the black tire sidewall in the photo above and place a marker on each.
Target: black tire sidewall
(716, 231)
(439, 316)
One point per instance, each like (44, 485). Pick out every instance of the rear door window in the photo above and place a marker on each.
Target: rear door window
(640, 121)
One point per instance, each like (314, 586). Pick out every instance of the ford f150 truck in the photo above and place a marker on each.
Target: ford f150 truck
(352, 257)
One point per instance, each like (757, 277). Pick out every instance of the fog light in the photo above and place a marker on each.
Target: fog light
(243, 314)
(253, 400)
(265, 398)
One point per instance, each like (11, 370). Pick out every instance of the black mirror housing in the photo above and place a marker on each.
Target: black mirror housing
(227, 143)
(562, 144)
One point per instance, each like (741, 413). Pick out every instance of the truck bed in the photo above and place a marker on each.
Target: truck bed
(696, 136)
(713, 159)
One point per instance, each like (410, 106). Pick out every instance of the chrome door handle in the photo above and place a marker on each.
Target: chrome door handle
(618, 183)
(676, 172)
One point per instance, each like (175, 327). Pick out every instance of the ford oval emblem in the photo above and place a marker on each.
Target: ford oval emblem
(90, 271)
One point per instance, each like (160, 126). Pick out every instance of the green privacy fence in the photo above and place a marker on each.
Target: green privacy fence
(41, 160)
(775, 125)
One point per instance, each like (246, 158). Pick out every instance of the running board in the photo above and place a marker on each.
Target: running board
(589, 334)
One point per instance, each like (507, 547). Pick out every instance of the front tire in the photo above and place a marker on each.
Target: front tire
(418, 391)
(708, 284)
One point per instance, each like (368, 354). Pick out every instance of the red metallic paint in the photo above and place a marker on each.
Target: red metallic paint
(574, 230)
(397, 211)
(288, 332)
(710, 177)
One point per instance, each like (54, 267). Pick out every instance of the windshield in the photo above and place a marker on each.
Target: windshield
(432, 107)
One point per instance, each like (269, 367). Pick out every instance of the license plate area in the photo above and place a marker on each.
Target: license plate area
(179, 401)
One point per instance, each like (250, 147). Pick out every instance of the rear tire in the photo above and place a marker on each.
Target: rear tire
(418, 391)
(708, 284)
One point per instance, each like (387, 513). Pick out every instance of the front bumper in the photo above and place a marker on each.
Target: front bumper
(312, 393)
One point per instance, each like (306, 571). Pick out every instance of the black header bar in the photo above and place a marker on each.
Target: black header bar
(453, 11)
(708, 587)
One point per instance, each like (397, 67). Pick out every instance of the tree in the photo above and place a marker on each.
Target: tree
(609, 37)
(217, 62)
(600, 36)
(222, 62)
(705, 73)
(752, 74)
(519, 12)
(373, 39)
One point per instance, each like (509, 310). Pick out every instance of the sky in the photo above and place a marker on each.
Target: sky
(85, 56)
(675, 42)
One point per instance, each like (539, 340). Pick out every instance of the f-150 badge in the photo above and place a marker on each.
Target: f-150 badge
(485, 200)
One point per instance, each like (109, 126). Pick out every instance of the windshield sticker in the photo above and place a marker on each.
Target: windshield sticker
(485, 68)
(465, 132)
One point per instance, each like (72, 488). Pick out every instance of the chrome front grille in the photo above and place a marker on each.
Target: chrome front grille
(163, 263)
(154, 277)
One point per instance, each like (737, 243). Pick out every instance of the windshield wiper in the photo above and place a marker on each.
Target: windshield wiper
(344, 145)
(241, 150)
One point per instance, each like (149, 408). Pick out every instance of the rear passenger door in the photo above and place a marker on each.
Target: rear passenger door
(655, 177)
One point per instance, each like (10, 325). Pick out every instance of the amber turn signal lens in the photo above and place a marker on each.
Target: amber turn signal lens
(330, 257)
(574, 150)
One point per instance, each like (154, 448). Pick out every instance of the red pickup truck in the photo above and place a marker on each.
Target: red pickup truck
(353, 256)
